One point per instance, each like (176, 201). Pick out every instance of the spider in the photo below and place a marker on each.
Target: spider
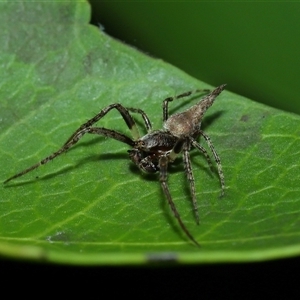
(154, 151)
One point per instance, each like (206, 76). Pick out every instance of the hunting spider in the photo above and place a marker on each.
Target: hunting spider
(154, 151)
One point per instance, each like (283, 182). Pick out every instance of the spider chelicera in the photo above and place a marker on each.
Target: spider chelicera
(154, 151)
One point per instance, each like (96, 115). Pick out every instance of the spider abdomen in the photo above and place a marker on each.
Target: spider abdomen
(181, 124)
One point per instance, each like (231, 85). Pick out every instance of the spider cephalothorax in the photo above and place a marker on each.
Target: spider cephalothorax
(148, 149)
(154, 151)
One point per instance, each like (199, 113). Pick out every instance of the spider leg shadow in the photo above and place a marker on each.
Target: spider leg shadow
(203, 166)
(167, 213)
(146, 176)
(89, 159)
(174, 168)
(208, 120)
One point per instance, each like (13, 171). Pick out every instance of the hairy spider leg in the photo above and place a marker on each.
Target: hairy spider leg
(93, 130)
(170, 99)
(215, 154)
(204, 152)
(144, 115)
(186, 133)
(86, 128)
(190, 176)
(185, 146)
(124, 113)
(163, 165)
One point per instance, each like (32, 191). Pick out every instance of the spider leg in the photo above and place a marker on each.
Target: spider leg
(203, 151)
(185, 145)
(144, 115)
(163, 165)
(170, 99)
(111, 134)
(71, 142)
(73, 139)
(215, 154)
(190, 176)
(124, 113)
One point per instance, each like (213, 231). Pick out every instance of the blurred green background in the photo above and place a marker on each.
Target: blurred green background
(254, 47)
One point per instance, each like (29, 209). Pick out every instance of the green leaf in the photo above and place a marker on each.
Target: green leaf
(91, 205)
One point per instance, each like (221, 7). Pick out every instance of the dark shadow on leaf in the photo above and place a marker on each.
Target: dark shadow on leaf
(208, 120)
(66, 169)
(204, 166)
(171, 219)
(87, 160)
(149, 177)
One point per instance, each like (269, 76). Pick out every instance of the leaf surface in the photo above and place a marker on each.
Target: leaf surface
(91, 205)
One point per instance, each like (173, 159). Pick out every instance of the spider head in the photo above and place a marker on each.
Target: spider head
(146, 162)
(148, 149)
